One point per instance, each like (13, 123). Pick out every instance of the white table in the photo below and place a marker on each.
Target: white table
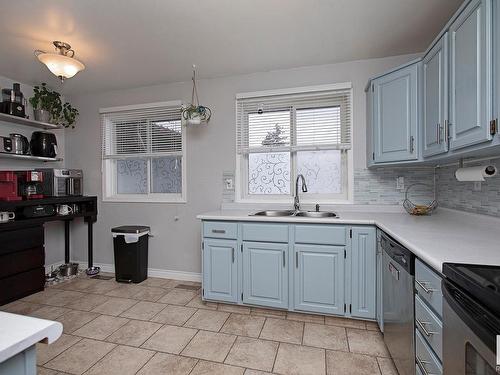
(18, 337)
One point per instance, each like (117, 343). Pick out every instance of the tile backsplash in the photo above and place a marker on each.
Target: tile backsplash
(461, 195)
(378, 186)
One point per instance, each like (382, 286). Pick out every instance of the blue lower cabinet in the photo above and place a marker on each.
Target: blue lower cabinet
(319, 278)
(220, 270)
(363, 273)
(265, 274)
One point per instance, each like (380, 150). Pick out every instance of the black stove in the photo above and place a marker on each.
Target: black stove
(482, 283)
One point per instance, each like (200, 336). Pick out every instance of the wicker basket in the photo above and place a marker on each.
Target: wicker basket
(418, 209)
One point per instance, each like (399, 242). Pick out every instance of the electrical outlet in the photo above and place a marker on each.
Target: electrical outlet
(477, 186)
(229, 184)
(400, 183)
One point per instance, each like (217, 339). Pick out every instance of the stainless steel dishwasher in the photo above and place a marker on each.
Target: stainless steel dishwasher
(398, 273)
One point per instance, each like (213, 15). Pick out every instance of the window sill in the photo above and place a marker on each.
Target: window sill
(144, 200)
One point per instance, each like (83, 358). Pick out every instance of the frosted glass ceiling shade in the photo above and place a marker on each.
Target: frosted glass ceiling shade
(61, 63)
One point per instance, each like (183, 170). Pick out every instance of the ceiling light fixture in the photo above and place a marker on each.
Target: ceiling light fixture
(62, 63)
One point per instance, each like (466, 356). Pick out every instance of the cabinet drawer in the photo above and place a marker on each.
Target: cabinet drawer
(265, 232)
(429, 326)
(428, 286)
(425, 358)
(320, 234)
(21, 285)
(21, 261)
(220, 229)
(21, 239)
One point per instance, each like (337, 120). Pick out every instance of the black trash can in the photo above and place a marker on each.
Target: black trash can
(130, 244)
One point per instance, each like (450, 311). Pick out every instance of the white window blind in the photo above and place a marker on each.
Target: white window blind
(313, 120)
(141, 132)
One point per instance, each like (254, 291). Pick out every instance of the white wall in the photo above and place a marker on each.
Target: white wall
(210, 151)
(54, 231)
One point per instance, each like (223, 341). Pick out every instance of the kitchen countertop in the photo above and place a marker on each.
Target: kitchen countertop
(19, 332)
(445, 236)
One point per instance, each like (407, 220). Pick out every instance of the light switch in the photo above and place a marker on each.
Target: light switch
(400, 183)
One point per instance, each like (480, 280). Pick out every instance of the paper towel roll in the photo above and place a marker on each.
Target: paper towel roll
(475, 173)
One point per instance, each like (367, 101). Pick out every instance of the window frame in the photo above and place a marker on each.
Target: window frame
(241, 172)
(109, 170)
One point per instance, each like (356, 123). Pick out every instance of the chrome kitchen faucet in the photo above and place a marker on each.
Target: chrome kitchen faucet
(296, 201)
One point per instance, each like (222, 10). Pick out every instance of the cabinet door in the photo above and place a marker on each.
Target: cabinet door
(220, 271)
(496, 61)
(363, 276)
(470, 75)
(319, 278)
(380, 298)
(265, 274)
(435, 98)
(396, 115)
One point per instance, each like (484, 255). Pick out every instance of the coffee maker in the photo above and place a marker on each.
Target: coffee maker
(13, 102)
(8, 186)
(30, 184)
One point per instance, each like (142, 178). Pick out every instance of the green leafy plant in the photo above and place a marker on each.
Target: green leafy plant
(50, 100)
(69, 114)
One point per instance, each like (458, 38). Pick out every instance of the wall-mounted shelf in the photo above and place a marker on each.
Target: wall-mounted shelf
(27, 122)
(28, 157)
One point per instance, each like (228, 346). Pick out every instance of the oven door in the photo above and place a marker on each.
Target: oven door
(468, 338)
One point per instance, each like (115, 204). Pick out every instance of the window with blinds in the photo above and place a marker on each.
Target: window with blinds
(143, 152)
(282, 134)
(293, 122)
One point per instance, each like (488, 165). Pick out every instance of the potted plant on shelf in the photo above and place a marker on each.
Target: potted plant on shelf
(48, 107)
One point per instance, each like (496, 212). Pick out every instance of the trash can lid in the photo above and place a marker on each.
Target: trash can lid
(136, 229)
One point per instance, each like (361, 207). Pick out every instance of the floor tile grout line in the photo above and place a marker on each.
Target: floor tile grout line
(231, 348)
(189, 342)
(76, 342)
(276, 356)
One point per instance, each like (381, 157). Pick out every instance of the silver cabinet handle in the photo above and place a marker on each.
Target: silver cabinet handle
(296, 260)
(422, 285)
(421, 325)
(232, 253)
(221, 231)
(447, 125)
(412, 144)
(421, 364)
(284, 260)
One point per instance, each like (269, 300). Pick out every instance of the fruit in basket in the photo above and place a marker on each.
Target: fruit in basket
(420, 209)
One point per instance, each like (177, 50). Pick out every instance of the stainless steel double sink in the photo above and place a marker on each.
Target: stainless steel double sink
(292, 213)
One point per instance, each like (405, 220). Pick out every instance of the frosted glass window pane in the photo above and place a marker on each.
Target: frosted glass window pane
(132, 176)
(269, 173)
(322, 171)
(166, 175)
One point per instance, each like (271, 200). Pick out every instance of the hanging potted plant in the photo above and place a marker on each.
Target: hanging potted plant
(46, 103)
(48, 107)
(194, 113)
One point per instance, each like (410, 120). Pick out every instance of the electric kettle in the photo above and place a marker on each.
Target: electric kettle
(20, 144)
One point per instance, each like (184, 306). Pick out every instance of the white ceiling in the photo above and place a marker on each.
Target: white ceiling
(129, 43)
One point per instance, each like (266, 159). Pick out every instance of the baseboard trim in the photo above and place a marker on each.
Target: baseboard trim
(152, 272)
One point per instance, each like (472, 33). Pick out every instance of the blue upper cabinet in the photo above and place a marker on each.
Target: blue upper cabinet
(496, 61)
(265, 274)
(319, 278)
(220, 270)
(471, 75)
(363, 273)
(435, 99)
(395, 115)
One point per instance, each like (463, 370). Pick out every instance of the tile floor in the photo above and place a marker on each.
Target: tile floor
(162, 327)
